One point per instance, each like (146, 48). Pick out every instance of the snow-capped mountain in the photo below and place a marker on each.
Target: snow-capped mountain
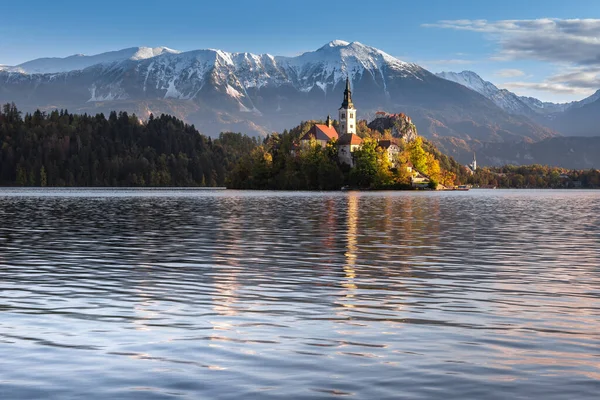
(218, 90)
(544, 107)
(503, 98)
(588, 100)
(80, 61)
(509, 101)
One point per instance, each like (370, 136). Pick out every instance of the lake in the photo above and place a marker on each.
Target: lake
(199, 294)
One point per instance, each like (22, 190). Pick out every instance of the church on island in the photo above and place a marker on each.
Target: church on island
(345, 136)
(348, 142)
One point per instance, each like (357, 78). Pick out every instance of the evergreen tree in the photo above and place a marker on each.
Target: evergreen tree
(63, 149)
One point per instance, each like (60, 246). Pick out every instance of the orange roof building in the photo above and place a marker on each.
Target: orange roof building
(322, 133)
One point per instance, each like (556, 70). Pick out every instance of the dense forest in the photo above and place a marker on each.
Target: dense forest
(63, 149)
(280, 163)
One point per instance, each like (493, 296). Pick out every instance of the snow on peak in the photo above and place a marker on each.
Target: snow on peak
(471, 80)
(336, 43)
(590, 99)
(503, 98)
(183, 74)
(80, 61)
(148, 52)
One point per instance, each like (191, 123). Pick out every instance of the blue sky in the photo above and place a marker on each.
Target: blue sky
(525, 56)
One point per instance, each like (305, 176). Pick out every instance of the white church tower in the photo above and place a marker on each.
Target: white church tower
(347, 113)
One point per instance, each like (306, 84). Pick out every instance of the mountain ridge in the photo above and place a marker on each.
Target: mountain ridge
(219, 91)
(506, 99)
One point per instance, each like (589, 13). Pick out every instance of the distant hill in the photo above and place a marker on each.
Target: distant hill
(583, 120)
(565, 152)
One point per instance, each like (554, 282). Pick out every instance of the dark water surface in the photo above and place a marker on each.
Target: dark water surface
(235, 295)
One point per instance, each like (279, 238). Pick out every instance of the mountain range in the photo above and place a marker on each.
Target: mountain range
(577, 118)
(258, 94)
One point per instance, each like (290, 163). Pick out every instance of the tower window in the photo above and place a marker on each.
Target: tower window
(351, 115)
(351, 126)
(344, 116)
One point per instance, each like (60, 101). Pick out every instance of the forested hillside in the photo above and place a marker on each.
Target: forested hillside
(63, 149)
(281, 163)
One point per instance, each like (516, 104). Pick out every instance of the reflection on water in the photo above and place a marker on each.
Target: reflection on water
(202, 294)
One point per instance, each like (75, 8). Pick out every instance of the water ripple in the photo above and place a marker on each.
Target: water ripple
(224, 294)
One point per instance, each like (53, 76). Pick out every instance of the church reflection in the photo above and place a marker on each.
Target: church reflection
(228, 253)
(351, 247)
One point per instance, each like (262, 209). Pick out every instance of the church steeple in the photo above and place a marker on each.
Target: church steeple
(328, 122)
(347, 112)
(347, 96)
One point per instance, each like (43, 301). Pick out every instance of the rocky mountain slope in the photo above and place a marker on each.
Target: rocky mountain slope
(583, 120)
(218, 91)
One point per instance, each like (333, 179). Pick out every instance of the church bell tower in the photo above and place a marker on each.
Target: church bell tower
(347, 112)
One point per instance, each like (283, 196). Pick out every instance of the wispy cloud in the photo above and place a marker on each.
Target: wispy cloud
(548, 39)
(576, 80)
(556, 88)
(509, 73)
(583, 78)
(572, 45)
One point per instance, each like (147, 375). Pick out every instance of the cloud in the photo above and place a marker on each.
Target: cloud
(557, 88)
(576, 80)
(509, 73)
(583, 78)
(549, 39)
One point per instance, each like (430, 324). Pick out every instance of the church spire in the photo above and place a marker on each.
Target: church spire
(347, 113)
(347, 96)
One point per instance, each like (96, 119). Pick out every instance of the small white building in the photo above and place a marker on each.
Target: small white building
(392, 150)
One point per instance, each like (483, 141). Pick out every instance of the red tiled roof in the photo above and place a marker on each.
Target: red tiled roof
(349, 139)
(321, 132)
(329, 131)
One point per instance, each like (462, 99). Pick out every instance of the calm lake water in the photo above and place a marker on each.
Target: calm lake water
(156, 294)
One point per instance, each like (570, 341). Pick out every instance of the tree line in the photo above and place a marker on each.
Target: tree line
(535, 177)
(64, 149)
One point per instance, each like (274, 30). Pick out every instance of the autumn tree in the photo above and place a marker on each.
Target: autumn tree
(418, 156)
